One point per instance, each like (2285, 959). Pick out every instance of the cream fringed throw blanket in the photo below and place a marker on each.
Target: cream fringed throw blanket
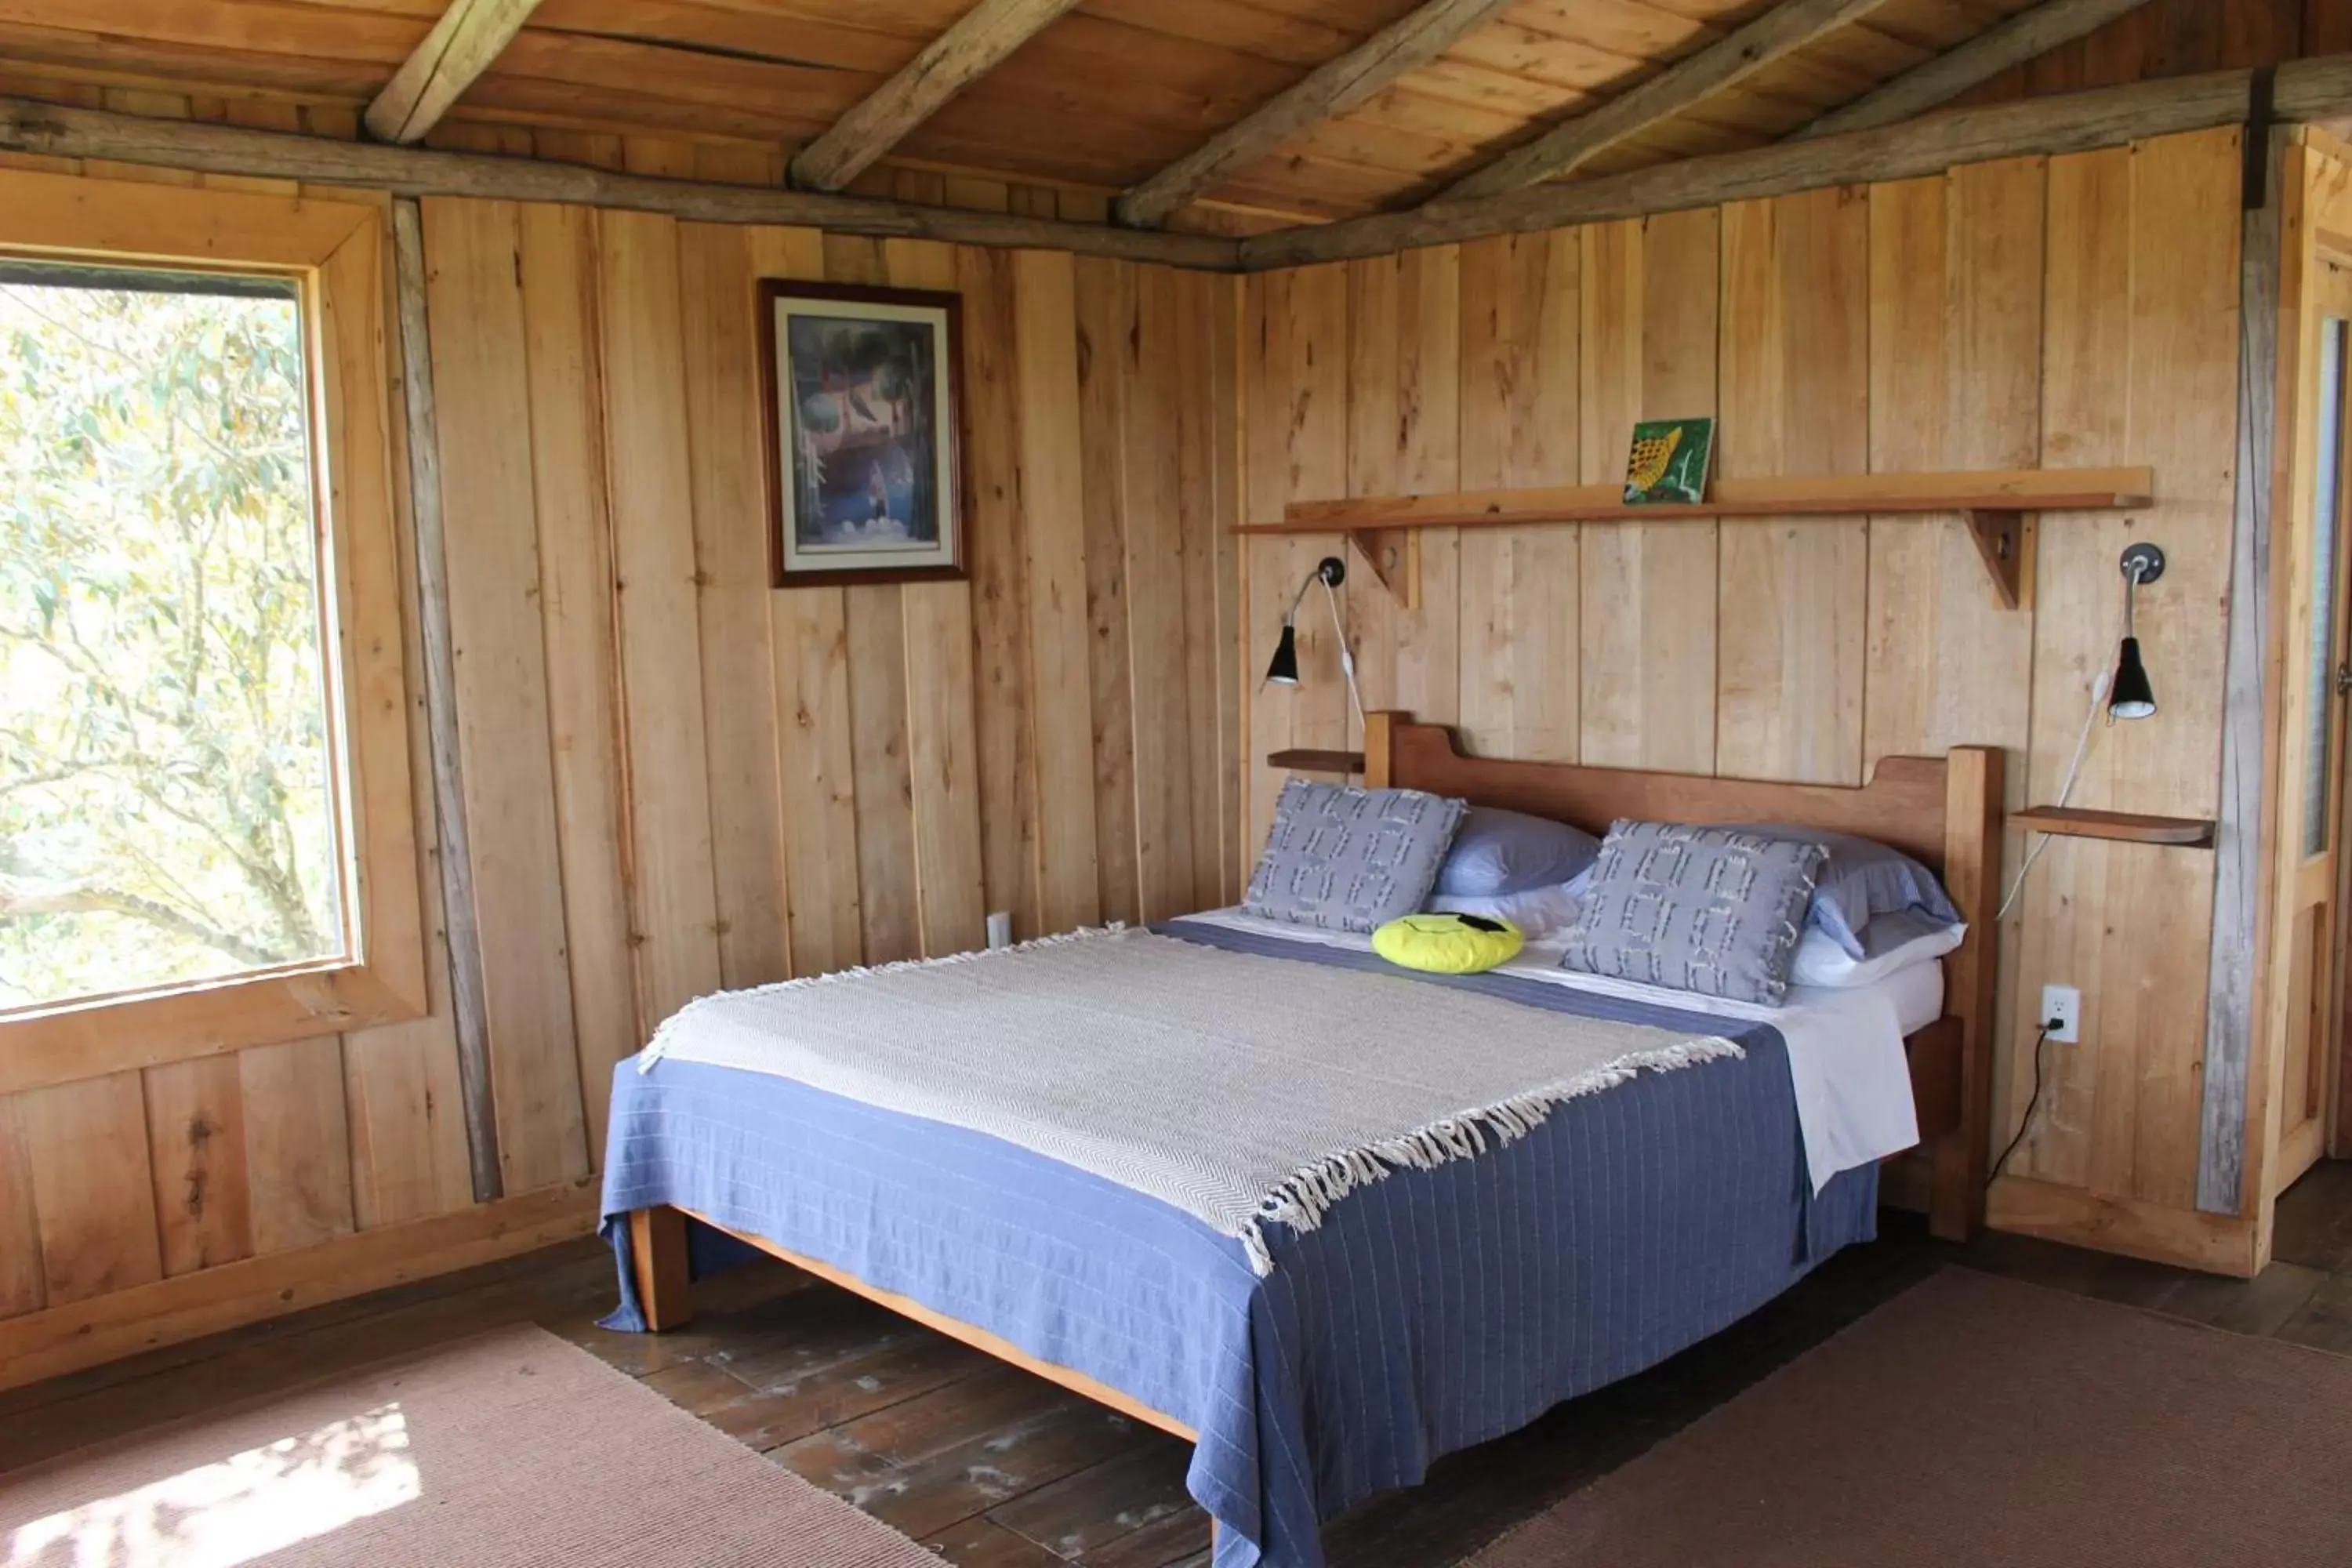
(1240, 1089)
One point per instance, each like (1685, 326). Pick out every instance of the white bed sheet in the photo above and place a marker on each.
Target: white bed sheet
(1845, 1053)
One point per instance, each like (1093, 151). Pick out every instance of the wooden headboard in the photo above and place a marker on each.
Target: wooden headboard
(1944, 811)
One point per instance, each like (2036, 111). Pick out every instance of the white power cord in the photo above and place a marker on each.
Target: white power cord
(1346, 659)
(2099, 685)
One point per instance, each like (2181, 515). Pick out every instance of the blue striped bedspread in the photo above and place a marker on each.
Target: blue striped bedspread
(1433, 1310)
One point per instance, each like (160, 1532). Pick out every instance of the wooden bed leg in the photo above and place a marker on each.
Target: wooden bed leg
(657, 1250)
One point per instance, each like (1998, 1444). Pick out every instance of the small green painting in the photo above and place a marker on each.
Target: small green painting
(1668, 463)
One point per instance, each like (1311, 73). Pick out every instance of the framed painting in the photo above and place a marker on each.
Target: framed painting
(863, 421)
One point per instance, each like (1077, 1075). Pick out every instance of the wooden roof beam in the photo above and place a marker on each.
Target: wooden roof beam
(470, 36)
(1782, 30)
(975, 46)
(2024, 36)
(66, 131)
(1331, 88)
(2319, 88)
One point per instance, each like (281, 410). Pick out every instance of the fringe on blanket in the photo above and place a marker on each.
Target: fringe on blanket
(1301, 1202)
(1306, 1197)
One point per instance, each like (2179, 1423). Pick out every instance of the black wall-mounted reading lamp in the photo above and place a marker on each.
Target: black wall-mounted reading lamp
(1283, 670)
(2130, 696)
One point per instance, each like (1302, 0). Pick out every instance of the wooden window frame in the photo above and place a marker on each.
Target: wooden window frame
(338, 252)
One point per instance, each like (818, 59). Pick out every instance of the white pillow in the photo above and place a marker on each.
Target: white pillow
(1891, 943)
(1537, 912)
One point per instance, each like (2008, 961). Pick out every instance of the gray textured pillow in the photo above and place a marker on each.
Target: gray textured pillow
(1711, 909)
(1351, 860)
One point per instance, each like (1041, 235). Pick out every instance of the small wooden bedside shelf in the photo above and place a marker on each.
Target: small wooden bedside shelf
(1306, 759)
(2076, 822)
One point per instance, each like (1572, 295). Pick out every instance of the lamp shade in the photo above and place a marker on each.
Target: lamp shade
(2131, 697)
(1283, 670)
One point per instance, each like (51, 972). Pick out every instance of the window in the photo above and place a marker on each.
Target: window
(208, 828)
(167, 806)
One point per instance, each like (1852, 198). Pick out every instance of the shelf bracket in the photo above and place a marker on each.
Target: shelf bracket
(1394, 556)
(2002, 538)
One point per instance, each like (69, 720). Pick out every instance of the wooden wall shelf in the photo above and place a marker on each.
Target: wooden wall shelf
(1306, 759)
(1996, 505)
(2077, 822)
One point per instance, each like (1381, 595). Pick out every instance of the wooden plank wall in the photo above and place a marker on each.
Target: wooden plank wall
(676, 776)
(2070, 311)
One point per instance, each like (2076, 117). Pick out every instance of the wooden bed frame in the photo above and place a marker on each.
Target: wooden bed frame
(1945, 811)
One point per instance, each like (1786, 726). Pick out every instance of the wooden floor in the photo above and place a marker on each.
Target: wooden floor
(999, 1469)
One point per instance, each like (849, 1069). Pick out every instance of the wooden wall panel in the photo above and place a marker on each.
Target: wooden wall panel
(647, 458)
(1115, 501)
(1003, 722)
(681, 776)
(1650, 298)
(2076, 312)
(21, 1284)
(942, 745)
(481, 380)
(1518, 680)
(195, 1152)
(1795, 334)
(1054, 538)
(297, 1143)
(733, 571)
(86, 1150)
(561, 315)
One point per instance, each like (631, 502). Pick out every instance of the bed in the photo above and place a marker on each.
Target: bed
(1435, 1307)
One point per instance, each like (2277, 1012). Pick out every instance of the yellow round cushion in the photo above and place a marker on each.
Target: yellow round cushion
(1447, 944)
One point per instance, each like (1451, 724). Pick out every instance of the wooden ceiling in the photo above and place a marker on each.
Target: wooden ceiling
(1104, 96)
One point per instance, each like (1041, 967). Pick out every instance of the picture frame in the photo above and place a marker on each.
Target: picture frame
(862, 414)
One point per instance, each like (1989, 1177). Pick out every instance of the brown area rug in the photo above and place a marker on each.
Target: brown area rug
(509, 1449)
(1976, 1420)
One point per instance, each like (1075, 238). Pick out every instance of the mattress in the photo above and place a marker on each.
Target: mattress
(1432, 1310)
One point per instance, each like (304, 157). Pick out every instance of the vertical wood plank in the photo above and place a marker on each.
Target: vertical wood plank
(86, 1147)
(1298, 450)
(195, 1150)
(1796, 387)
(1158, 566)
(404, 1097)
(815, 772)
(480, 373)
(1956, 383)
(942, 750)
(874, 619)
(1002, 723)
(733, 574)
(576, 615)
(1650, 297)
(647, 480)
(297, 1143)
(20, 1226)
(1519, 679)
(2123, 1107)
(1046, 378)
(1107, 329)
(1210, 494)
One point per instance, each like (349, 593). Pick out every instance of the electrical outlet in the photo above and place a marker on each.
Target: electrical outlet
(2062, 1004)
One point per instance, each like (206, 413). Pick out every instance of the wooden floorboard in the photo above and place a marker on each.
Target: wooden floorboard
(993, 1468)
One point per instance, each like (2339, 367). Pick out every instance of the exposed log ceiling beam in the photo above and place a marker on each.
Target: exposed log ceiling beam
(1332, 89)
(62, 130)
(2021, 37)
(980, 39)
(2316, 88)
(470, 35)
(1785, 29)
